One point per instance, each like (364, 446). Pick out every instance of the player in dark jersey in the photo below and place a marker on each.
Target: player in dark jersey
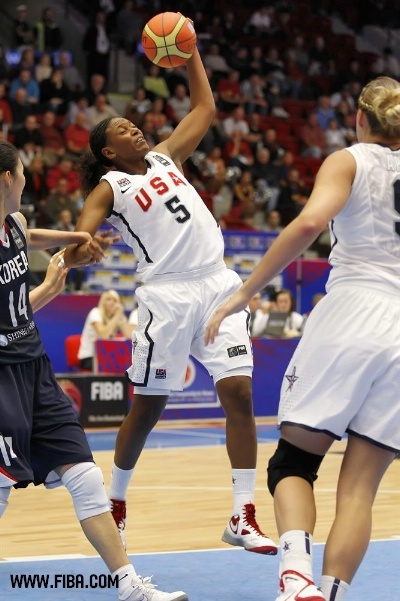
(41, 440)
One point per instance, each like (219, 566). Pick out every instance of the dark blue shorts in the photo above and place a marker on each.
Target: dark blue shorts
(39, 429)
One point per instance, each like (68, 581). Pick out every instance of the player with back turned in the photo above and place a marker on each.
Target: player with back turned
(179, 245)
(344, 375)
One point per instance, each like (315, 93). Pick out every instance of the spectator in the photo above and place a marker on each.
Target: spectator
(335, 137)
(284, 301)
(80, 104)
(36, 189)
(101, 109)
(29, 134)
(228, 89)
(272, 224)
(96, 45)
(56, 201)
(155, 83)
(129, 25)
(214, 60)
(252, 90)
(71, 75)
(235, 123)
(4, 66)
(20, 109)
(27, 60)
(292, 197)
(313, 138)
(26, 81)
(256, 131)
(387, 64)
(178, 105)
(54, 93)
(44, 67)
(324, 111)
(349, 129)
(76, 136)
(48, 36)
(258, 315)
(319, 57)
(5, 105)
(97, 85)
(138, 105)
(214, 170)
(53, 139)
(237, 152)
(271, 143)
(65, 169)
(103, 322)
(23, 31)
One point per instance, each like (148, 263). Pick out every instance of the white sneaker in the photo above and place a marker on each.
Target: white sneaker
(118, 511)
(243, 531)
(296, 587)
(143, 590)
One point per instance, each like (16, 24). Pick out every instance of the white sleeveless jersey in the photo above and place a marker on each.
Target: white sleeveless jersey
(365, 235)
(164, 220)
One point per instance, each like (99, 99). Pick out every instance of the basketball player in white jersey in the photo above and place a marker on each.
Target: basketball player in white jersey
(344, 375)
(180, 250)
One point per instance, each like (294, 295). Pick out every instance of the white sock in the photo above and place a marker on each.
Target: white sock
(296, 552)
(244, 485)
(125, 575)
(333, 589)
(119, 483)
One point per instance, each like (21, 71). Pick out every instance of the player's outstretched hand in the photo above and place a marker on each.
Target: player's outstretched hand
(236, 303)
(107, 239)
(56, 273)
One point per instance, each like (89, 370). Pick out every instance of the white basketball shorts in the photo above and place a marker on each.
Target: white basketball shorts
(345, 373)
(172, 316)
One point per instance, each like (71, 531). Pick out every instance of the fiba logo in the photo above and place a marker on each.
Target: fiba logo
(73, 394)
(190, 374)
(3, 340)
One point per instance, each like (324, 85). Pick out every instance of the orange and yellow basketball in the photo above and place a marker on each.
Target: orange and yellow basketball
(169, 39)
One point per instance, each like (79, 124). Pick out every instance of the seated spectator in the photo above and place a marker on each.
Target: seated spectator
(237, 152)
(159, 114)
(243, 194)
(29, 133)
(387, 64)
(26, 81)
(5, 105)
(76, 136)
(97, 85)
(256, 131)
(236, 122)
(228, 90)
(155, 83)
(335, 137)
(178, 105)
(53, 139)
(101, 109)
(284, 302)
(292, 197)
(253, 91)
(214, 170)
(57, 200)
(271, 143)
(44, 68)
(36, 190)
(79, 104)
(65, 169)
(319, 57)
(54, 93)
(105, 321)
(313, 138)
(215, 136)
(258, 315)
(349, 129)
(27, 61)
(20, 110)
(137, 106)
(272, 223)
(214, 60)
(71, 75)
(324, 111)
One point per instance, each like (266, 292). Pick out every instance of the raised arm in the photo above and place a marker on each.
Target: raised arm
(329, 196)
(186, 137)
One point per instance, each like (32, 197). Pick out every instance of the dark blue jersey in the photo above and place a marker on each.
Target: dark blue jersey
(19, 338)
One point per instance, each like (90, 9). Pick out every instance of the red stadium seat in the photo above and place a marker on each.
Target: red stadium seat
(72, 344)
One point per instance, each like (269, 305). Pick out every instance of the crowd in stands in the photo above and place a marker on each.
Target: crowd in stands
(286, 90)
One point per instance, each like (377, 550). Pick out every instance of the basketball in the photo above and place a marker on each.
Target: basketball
(169, 39)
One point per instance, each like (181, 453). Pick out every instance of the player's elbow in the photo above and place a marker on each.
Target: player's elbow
(310, 225)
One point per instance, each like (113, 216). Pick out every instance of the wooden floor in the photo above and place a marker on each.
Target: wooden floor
(179, 499)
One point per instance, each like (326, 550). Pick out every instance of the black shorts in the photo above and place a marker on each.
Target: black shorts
(39, 429)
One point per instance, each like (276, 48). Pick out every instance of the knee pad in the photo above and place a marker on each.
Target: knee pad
(85, 483)
(4, 494)
(288, 460)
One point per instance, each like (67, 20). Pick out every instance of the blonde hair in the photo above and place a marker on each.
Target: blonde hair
(380, 101)
(114, 294)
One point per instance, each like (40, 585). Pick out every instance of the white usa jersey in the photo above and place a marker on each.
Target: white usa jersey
(164, 220)
(366, 233)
